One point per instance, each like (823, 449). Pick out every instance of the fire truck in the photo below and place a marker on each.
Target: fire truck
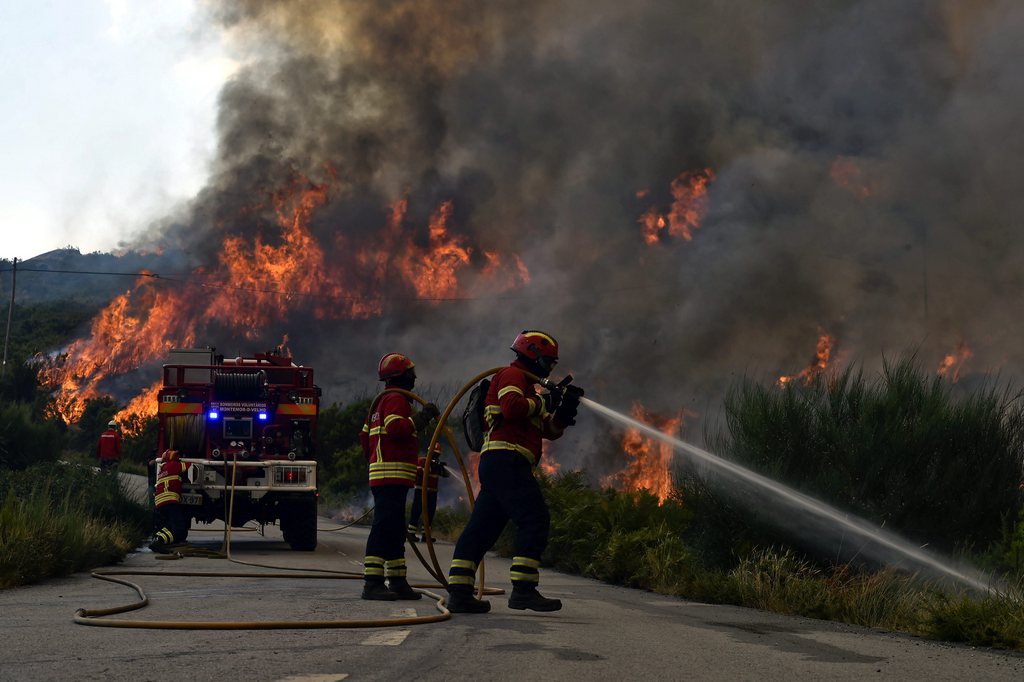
(248, 427)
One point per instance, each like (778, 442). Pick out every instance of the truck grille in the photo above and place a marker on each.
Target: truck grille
(286, 475)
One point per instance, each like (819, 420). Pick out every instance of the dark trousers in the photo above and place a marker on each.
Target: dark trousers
(508, 490)
(416, 513)
(387, 534)
(173, 521)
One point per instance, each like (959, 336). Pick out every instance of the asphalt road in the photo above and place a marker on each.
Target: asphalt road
(602, 633)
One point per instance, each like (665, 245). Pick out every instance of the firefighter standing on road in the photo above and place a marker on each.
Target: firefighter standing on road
(437, 471)
(108, 448)
(167, 496)
(518, 418)
(389, 443)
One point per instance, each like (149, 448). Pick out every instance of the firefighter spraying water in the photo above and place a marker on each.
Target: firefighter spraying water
(517, 418)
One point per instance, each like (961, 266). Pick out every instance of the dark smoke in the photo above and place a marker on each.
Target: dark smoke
(542, 120)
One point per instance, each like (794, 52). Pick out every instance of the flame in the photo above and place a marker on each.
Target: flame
(136, 326)
(648, 468)
(955, 361)
(432, 270)
(138, 409)
(270, 265)
(548, 464)
(822, 355)
(845, 172)
(689, 206)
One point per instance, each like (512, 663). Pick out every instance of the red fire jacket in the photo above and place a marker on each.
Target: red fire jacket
(515, 415)
(389, 442)
(168, 481)
(109, 445)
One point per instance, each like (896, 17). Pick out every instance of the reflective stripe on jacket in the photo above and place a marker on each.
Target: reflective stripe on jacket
(168, 482)
(389, 442)
(515, 415)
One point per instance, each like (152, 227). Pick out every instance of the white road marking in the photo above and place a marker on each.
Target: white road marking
(329, 677)
(386, 638)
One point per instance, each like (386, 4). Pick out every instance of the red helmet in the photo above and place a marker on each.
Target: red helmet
(393, 365)
(537, 347)
(170, 455)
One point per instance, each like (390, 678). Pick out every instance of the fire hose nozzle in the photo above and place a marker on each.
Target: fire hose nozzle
(563, 387)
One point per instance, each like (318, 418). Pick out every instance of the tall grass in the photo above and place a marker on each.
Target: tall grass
(627, 539)
(56, 520)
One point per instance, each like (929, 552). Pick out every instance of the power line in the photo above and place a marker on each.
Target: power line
(209, 284)
(87, 272)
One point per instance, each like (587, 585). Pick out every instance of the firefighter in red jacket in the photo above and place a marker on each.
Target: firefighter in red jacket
(437, 471)
(108, 448)
(517, 419)
(167, 498)
(391, 447)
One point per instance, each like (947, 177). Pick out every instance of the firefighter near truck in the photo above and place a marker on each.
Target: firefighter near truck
(247, 425)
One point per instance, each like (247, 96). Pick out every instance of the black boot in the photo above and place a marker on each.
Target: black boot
(529, 598)
(402, 588)
(461, 600)
(376, 591)
(159, 546)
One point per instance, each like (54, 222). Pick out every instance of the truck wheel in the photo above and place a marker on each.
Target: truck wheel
(298, 525)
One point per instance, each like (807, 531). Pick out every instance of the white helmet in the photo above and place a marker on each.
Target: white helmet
(112, 424)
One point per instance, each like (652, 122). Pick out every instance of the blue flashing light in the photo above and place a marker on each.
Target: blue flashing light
(214, 414)
(263, 416)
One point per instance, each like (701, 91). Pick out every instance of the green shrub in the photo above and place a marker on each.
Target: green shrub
(905, 452)
(994, 620)
(448, 522)
(139, 444)
(652, 558)
(96, 414)
(25, 439)
(342, 468)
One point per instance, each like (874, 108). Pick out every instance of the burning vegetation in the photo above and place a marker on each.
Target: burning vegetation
(263, 279)
(954, 362)
(822, 355)
(649, 460)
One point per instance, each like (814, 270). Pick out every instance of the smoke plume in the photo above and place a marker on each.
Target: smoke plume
(866, 174)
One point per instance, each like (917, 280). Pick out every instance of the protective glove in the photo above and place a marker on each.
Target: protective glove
(551, 399)
(425, 416)
(565, 414)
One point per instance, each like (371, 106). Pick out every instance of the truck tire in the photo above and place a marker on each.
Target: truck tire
(298, 524)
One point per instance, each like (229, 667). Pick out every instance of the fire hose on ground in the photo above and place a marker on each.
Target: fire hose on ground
(96, 617)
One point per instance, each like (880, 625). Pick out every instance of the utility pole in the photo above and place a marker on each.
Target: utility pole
(10, 311)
